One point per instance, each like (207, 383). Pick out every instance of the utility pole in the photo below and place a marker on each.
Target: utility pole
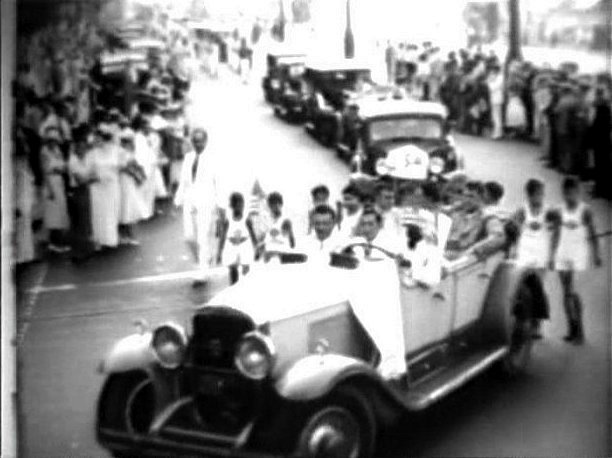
(349, 39)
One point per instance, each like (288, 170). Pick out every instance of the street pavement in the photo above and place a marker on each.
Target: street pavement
(70, 315)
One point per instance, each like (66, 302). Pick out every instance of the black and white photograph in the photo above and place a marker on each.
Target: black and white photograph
(306, 228)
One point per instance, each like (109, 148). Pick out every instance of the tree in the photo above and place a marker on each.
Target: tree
(514, 35)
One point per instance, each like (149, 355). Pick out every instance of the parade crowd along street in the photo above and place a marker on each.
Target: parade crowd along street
(93, 159)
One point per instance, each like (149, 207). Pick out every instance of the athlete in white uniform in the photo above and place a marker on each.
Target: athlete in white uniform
(237, 239)
(534, 220)
(279, 230)
(573, 244)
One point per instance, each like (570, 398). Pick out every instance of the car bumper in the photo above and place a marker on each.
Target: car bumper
(176, 442)
(288, 109)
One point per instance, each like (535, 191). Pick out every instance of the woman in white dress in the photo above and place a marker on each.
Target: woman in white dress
(24, 200)
(132, 209)
(146, 157)
(516, 119)
(105, 192)
(55, 207)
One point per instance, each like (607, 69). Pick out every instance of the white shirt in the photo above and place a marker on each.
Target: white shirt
(315, 248)
(348, 223)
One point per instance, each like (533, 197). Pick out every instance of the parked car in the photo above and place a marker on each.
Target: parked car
(329, 84)
(284, 363)
(283, 66)
(372, 128)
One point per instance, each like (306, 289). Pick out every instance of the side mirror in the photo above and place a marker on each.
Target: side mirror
(449, 127)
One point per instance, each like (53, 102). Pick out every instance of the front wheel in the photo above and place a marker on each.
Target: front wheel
(127, 405)
(344, 427)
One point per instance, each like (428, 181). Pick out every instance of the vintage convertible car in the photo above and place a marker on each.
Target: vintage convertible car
(373, 128)
(286, 362)
(284, 69)
(329, 84)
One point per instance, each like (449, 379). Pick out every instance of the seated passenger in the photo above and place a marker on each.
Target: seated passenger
(325, 239)
(320, 196)
(385, 204)
(350, 212)
(370, 232)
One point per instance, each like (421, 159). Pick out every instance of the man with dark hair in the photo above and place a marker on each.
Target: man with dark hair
(370, 230)
(385, 202)
(279, 233)
(324, 239)
(198, 194)
(348, 218)
(320, 196)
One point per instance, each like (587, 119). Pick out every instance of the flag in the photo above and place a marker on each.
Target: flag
(256, 209)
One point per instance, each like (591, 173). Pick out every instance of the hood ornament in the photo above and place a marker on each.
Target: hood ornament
(322, 347)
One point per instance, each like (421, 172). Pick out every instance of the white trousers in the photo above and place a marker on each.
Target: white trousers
(496, 114)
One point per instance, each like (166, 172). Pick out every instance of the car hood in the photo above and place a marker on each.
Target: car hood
(430, 145)
(271, 293)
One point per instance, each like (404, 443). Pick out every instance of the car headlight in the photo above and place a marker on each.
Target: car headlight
(275, 84)
(436, 165)
(255, 355)
(169, 344)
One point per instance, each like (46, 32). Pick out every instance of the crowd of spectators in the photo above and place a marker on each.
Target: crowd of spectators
(95, 152)
(563, 110)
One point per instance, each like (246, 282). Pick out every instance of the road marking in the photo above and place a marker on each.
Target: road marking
(31, 299)
(189, 274)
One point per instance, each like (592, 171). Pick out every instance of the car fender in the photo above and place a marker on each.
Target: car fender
(130, 353)
(316, 375)
(498, 306)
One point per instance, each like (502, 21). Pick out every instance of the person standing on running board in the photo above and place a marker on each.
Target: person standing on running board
(574, 249)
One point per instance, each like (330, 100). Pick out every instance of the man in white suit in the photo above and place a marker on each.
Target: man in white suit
(198, 194)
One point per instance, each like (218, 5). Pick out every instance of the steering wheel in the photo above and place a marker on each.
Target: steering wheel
(394, 256)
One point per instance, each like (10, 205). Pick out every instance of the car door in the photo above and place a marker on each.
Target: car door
(470, 283)
(427, 313)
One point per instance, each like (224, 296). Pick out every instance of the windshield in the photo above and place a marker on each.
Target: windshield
(401, 128)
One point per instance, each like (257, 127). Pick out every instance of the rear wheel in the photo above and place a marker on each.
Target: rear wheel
(520, 333)
(344, 427)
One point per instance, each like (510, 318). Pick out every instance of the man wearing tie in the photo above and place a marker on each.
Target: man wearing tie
(198, 194)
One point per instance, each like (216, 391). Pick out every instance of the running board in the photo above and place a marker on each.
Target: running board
(429, 392)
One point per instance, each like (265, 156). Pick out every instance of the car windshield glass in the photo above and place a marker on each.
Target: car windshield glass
(402, 128)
